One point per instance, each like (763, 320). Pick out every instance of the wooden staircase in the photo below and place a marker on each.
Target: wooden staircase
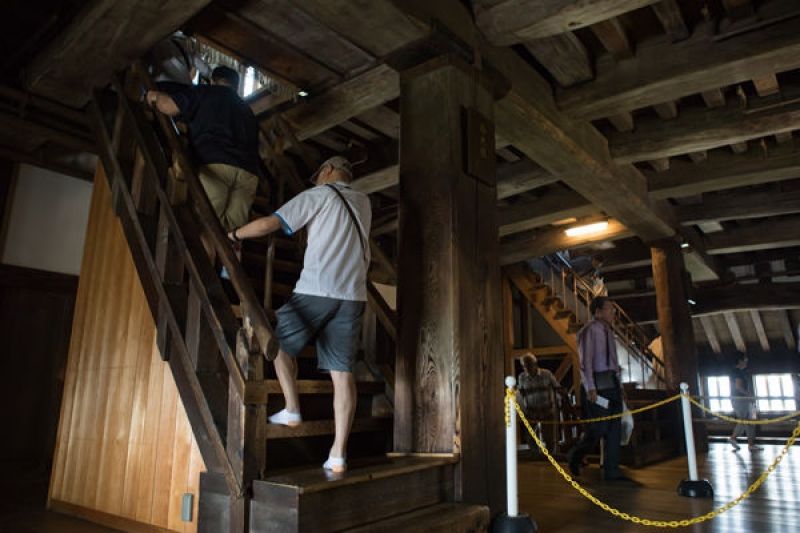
(216, 336)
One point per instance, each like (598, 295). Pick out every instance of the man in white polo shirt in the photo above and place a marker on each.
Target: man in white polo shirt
(329, 298)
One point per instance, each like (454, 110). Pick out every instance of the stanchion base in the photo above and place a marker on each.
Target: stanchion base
(700, 488)
(521, 523)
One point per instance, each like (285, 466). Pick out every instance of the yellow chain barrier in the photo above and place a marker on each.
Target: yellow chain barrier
(612, 417)
(746, 422)
(511, 397)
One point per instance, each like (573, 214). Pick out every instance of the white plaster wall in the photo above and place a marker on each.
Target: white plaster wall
(47, 224)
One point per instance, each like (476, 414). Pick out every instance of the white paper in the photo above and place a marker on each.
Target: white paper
(602, 402)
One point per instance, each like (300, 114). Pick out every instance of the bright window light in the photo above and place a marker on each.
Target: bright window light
(249, 82)
(302, 93)
(775, 392)
(587, 229)
(719, 393)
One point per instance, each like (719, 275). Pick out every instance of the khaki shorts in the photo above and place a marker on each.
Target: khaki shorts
(231, 191)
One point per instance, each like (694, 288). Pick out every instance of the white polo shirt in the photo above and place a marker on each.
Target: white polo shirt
(334, 264)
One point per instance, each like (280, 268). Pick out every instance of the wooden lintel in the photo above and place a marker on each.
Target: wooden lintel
(663, 70)
(40, 159)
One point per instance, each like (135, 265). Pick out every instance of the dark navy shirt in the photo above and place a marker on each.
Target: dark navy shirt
(222, 128)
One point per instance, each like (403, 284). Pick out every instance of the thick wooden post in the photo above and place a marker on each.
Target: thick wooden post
(674, 314)
(450, 361)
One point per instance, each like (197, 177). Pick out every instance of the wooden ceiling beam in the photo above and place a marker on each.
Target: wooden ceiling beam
(724, 170)
(767, 85)
(564, 56)
(763, 339)
(666, 110)
(704, 129)
(736, 332)
(110, 33)
(711, 334)
(742, 205)
(613, 37)
(727, 299)
(33, 128)
(669, 13)
(512, 179)
(662, 71)
(550, 208)
(41, 158)
(788, 330)
(549, 241)
(759, 236)
(351, 98)
(516, 21)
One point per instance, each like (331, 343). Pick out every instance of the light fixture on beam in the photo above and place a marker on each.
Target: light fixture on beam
(684, 245)
(691, 302)
(587, 229)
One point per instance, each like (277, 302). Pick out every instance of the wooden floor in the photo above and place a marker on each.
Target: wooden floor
(774, 508)
(23, 493)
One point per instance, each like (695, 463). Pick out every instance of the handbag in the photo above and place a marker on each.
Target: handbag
(353, 219)
(606, 379)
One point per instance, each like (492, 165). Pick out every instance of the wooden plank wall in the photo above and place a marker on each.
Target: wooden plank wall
(124, 444)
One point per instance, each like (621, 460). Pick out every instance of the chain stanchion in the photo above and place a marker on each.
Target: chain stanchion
(694, 487)
(512, 521)
(646, 521)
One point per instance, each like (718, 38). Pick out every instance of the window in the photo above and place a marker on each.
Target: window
(719, 393)
(775, 392)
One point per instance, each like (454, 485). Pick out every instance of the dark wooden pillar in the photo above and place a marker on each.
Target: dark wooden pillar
(449, 386)
(674, 314)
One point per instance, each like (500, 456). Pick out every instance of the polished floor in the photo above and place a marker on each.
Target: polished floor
(23, 493)
(774, 508)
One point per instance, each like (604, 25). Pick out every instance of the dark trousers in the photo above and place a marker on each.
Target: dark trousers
(609, 431)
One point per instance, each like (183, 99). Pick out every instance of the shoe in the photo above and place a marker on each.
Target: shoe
(734, 444)
(755, 448)
(337, 465)
(574, 468)
(286, 418)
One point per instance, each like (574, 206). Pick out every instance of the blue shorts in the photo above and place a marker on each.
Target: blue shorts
(336, 325)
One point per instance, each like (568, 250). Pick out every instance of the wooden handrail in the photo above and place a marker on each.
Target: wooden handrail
(255, 318)
(624, 327)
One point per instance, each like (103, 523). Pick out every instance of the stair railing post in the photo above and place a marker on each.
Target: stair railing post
(694, 487)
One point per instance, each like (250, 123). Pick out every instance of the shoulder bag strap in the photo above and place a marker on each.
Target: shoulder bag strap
(353, 219)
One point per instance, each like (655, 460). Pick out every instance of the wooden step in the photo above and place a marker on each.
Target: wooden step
(574, 327)
(563, 313)
(313, 428)
(314, 500)
(443, 517)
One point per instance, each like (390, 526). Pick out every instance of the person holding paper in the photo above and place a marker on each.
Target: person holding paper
(602, 390)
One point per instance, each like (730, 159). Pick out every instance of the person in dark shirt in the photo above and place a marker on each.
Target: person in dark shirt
(223, 135)
(743, 404)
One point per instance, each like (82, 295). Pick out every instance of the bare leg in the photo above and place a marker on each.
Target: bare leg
(344, 407)
(286, 369)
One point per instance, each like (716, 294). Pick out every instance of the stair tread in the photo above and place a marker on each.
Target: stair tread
(318, 386)
(315, 479)
(314, 428)
(440, 517)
